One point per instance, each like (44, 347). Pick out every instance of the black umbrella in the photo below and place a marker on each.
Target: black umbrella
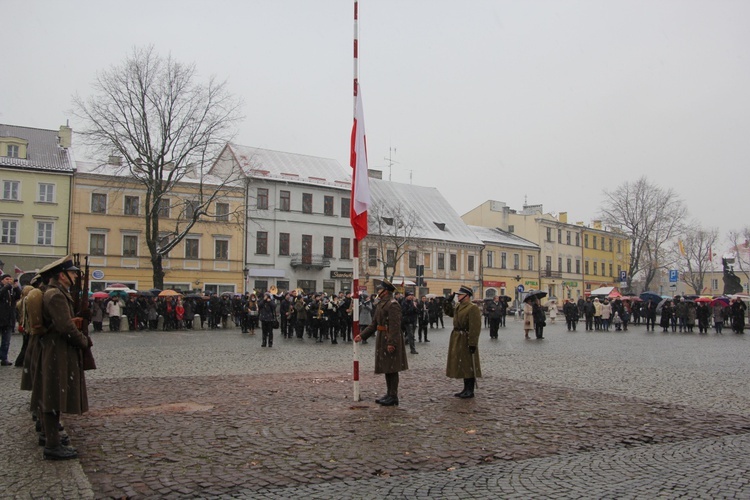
(146, 294)
(155, 291)
(535, 294)
(194, 296)
(650, 297)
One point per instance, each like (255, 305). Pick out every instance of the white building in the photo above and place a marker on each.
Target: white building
(298, 232)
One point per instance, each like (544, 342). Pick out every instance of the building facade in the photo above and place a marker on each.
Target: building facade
(107, 224)
(605, 256)
(36, 175)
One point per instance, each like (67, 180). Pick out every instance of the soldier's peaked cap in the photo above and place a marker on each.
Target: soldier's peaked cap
(63, 264)
(386, 285)
(465, 290)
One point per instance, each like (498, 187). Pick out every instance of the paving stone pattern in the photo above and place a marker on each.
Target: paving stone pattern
(581, 414)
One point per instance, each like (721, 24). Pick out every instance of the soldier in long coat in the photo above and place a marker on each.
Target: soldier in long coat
(463, 356)
(63, 385)
(390, 350)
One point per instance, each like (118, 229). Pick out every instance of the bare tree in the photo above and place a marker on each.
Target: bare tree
(694, 256)
(167, 127)
(652, 217)
(394, 230)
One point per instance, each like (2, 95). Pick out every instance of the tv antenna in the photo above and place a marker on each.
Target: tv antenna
(391, 161)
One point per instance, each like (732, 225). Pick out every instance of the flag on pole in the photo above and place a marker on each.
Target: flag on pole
(710, 254)
(682, 247)
(18, 270)
(360, 182)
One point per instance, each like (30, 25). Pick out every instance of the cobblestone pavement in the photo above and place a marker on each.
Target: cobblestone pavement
(580, 414)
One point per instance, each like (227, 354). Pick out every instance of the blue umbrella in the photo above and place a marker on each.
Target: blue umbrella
(650, 297)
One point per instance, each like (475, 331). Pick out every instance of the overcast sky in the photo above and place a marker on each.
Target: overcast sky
(544, 101)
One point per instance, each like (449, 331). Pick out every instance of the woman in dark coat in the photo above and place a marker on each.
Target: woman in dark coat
(267, 314)
(667, 312)
(463, 357)
(390, 350)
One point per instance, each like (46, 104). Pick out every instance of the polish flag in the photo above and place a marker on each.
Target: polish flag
(18, 270)
(360, 181)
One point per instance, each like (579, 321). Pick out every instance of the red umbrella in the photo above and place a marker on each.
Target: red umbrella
(722, 301)
(100, 295)
(704, 299)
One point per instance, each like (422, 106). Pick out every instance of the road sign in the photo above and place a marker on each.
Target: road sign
(520, 288)
(673, 275)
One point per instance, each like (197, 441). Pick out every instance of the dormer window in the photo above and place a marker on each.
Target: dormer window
(440, 225)
(12, 151)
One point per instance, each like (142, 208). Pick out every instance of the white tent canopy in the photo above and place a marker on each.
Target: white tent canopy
(605, 290)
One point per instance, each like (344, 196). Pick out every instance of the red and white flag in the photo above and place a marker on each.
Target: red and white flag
(360, 181)
(18, 270)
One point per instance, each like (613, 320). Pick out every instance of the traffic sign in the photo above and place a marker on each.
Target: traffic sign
(520, 288)
(673, 275)
(623, 276)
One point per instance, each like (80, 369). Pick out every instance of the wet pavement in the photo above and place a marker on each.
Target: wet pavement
(579, 414)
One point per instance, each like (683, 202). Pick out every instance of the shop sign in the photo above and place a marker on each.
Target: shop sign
(342, 275)
(498, 284)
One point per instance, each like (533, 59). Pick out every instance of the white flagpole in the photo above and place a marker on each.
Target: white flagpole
(355, 261)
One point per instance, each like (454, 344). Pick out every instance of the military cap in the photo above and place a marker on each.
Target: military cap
(63, 264)
(465, 290)
(386, 285)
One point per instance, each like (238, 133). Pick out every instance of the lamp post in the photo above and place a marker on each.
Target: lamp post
(245, 271)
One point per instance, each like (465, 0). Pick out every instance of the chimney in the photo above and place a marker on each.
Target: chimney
(597, 224)
(115, 160)
(375, 174)
(65, 136)
(563, 217)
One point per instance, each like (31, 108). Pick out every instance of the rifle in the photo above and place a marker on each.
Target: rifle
(81, 307)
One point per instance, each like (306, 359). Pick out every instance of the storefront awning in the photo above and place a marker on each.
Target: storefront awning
(265, 273)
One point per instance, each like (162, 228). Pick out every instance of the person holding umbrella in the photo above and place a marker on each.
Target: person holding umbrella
(463, 357)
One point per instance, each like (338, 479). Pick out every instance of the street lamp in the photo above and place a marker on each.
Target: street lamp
(245, 272)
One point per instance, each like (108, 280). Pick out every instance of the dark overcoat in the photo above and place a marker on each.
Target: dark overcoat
(387, 323)
(467, 323)
(33, 323)
(63, 382)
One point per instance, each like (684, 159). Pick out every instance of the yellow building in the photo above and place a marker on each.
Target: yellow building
(605, 256)
(108, 225)
(36, 172)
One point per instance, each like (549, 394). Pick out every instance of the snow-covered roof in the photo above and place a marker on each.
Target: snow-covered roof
(495, 236)
(43, 150)
(90, 167)
(436, 218)
(291, 167)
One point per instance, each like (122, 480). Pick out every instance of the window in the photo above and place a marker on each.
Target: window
(549, 234)
(619, 246)
(163, 208)
(345, 246)
(261, 286)
(345, 204)
(372, 257)
(328, 247)
(44, 233)
(191, 208)
(307, 203)
(285, 201)
(129, 245)
(221, 249)
(96, 244)
(390, 258)
(164, 240)
(10, 190)
(569, 266)
(503, 260)
(490, 258)
(559, 235)
(578, 266)
(610, 269)
(602, 247)
(586, 267)
(283, 243)
(567, 237)
(412, 259)
(10, 232)
(282, 285)
(98, 203)
(547, 263)
(191, 248)
(12, 151)
(578, 239)
(610, 244)
(530, 263)
(427, 259)
(470, 263)
(441, 261)
(328, 205)
(453, 261)
(308, 286)
(619, 269)
(511, 228)
(596, 268)
(262, 199)
(586, 240)
(261, 243)
(222, 212)
(559, 264)
(594, 246)
(516, 261)
(46, 192)
(131, 205)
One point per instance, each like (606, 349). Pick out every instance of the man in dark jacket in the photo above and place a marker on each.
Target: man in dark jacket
(390, 351)
(423, 317)
(9, 295)
(494, 313)
(409, 315)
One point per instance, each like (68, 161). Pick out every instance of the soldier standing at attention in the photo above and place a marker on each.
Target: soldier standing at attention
(463, 357)
(390, 351)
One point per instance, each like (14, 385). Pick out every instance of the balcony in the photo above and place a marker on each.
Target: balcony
(309, 261)
(549, 273)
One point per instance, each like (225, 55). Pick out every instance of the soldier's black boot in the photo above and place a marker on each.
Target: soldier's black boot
(469, 392)
(392, 398)
(387, 395)
(466, 387)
